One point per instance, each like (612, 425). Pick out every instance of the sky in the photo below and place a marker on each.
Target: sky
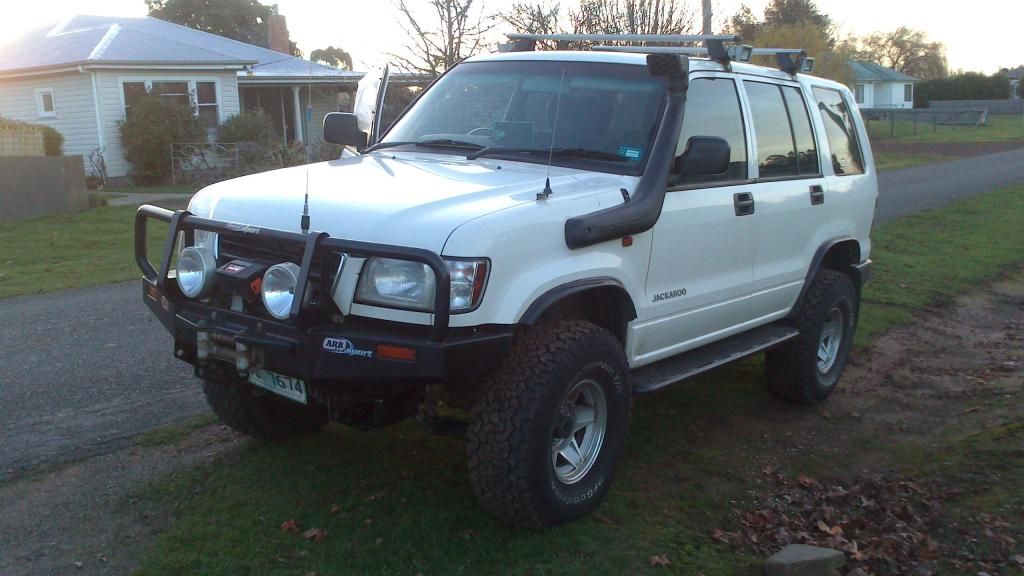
(982, 37)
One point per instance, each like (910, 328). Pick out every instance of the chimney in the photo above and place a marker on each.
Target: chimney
(277, 33)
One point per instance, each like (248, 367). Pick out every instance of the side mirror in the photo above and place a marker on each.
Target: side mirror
(343, 128)
(704, 156)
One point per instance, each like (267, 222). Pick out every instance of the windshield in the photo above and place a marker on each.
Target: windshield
(593, 115)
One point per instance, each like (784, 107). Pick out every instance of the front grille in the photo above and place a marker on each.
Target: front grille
(321, 273)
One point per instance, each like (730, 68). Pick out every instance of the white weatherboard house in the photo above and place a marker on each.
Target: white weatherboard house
(876, 86)
(79, 76)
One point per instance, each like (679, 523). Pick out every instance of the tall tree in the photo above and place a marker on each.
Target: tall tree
(780, 13)
(242, 20)
(632, 17)
(534, 18)
(455, 31)
(332, 56)
(906, 50)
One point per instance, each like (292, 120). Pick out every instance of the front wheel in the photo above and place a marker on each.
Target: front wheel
(550, 425)
(806, 369)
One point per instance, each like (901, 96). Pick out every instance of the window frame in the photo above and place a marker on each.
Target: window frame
(810, 119)
(147, 81)
(41, 111)
(858, 94)
(908, 87)
(747, 135)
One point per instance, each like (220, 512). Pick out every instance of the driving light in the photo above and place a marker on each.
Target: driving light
(279, 284)
(195, 271)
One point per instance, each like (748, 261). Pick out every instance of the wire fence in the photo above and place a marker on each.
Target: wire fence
(915, 120)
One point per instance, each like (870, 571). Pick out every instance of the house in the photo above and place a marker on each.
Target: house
(876, 86)
(1015, 76)
(80, 76)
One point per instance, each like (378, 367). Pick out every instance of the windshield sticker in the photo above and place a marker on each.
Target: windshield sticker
(630, 153)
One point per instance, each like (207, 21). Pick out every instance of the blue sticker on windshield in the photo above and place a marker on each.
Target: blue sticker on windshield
(630, 153)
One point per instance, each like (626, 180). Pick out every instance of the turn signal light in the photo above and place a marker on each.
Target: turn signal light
(396, 353)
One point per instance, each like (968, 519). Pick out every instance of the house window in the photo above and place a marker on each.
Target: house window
(908, 92)
(206, 103)
(859, 93)
(132, 92)
(45, 107)
(176, 92)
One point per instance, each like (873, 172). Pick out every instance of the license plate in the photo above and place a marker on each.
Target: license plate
(291, 388)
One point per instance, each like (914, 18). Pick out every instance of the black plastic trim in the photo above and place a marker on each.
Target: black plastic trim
(816, 262)
(539, 306)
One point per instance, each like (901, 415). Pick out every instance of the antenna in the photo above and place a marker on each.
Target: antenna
(304, 221)
(543, 195)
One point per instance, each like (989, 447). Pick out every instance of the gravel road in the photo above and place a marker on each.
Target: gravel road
(83, 371)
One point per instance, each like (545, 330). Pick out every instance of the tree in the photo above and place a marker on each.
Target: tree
(906, 50)
(332, 56)
(242, 20)
(632, 17)
(831, 59)
(458, 32)
(781, 13)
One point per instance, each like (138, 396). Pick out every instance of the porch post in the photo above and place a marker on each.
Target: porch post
(298, 114)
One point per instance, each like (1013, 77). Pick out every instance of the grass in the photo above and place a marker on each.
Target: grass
(404, 505)
(999, 129)
(174, 432)
(64, 251)
(895, 161)
(164, 189)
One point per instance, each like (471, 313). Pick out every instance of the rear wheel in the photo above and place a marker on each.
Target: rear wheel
(806, 369)
(550, 425)
(260, 414)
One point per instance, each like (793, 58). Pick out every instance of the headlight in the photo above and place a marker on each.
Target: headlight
(411, 286)
(396, 284)
(279, 283)
(195, 271)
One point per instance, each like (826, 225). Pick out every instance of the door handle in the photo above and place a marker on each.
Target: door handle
(743, 203)
(817, 195)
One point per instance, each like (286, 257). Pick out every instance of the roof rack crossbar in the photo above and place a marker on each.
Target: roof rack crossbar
(666, 38)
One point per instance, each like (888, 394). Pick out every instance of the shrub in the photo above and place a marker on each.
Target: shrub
(153, 124)
(53, 141)
(966, 86)
(254, 126)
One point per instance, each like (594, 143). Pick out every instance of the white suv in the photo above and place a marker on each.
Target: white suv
(538, 237)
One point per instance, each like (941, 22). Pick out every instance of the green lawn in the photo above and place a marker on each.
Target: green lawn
(999, 129)
(890, 161)
(64, 251)
(397, 501)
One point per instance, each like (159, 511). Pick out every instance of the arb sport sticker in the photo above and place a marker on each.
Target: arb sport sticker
(345, 347)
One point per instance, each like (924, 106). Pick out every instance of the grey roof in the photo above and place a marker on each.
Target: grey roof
(871, 72)
(1016, 74)
(106, 40)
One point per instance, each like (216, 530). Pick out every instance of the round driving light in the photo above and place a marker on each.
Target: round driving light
(279, 284)
(195, 271)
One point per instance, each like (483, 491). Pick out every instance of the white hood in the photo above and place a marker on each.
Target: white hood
(405, 199)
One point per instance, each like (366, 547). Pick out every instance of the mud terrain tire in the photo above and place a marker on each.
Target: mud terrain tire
(526, 419)
(259, 414)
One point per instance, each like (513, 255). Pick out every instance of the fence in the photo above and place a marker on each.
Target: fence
(21, 140)
(35, 186)
(921, 119)
(208, 162)
(993, 106)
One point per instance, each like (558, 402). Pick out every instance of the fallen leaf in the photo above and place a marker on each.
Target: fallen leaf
(380, 541)
(101, 557)
(78, 565)
(290, 526)
(660, 560)
(315, 534)
(805, 481)
(334, 509)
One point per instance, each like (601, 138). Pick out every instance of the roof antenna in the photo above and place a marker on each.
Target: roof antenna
(543, 195)
(304, 221)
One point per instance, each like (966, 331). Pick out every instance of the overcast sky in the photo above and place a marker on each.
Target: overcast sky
(982, 35)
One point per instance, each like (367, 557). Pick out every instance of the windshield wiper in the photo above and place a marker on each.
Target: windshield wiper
(441, 142)
(559, 152)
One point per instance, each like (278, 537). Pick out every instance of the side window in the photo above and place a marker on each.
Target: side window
(806, 151)
(776, 149)
(843, 147)
(713, 109)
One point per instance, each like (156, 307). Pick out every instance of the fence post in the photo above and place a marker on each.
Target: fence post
(915, 121)
(892, 123)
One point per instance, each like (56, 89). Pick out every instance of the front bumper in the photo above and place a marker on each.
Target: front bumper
(314, 344)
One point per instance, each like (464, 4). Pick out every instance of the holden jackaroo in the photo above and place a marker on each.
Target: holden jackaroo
(538, 237)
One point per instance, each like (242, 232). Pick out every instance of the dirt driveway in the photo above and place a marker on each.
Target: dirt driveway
(924, 443)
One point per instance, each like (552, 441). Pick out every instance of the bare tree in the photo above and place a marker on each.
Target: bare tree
(456, 32)
(534, 18)
(906, 50)
(633, 17)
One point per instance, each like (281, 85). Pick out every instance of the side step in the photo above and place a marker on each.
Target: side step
(689, 364)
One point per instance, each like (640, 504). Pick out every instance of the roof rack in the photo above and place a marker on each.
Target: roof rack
(790, 60)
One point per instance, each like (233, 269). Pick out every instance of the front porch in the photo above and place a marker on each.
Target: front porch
(297, 110)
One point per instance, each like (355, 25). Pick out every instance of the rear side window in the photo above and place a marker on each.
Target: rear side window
(843, 147)
(782, 128)
(713, 109)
